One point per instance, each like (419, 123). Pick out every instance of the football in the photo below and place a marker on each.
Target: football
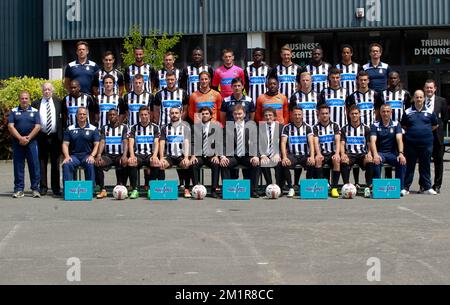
(199, 192)
(349, 191)
(273, 191)
(120, 192)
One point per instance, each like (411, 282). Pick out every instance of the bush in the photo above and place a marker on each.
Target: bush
(9, 98)
(155, 46)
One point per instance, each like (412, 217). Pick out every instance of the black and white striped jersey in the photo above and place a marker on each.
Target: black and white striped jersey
(71, 104)
(288, 77)
(256, 78)
(366, 103)
(335, 99)
(105, 104)
(326, 136)
(356, 139)
(399, 101)
(319, 75)
(146, 71)
(308, 102)
(162, 84)
(133, 102)
(144, 138)
(297, 143)
(169, 99)
(114, 137)
(190, 77)
(174, 136)
(118, 80)
(349, 74)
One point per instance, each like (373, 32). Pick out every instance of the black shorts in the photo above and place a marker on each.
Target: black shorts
(298, 160)
(174, 161)
(111, 160)
(143, 160)
(327, 160)
(358, 160)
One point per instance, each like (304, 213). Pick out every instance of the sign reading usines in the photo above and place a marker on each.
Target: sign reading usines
(433, 47)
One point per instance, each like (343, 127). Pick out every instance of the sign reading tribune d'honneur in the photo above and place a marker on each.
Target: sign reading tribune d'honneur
(433, 47)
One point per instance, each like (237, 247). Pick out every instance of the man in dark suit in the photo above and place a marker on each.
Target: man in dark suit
(437, 105)
(50, 137)
(241, 148)
(207, 148)
(269, 145)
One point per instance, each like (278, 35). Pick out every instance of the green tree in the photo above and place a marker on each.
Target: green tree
(155, 46)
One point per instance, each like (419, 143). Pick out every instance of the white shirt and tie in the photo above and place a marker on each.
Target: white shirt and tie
(47, 114)
(240, 135)
(270, 132)
(430, 102)
(205, 132)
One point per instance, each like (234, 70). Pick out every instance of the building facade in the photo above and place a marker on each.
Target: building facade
(415, 34)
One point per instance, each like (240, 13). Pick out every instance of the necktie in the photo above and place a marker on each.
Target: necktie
(240, 141)
(428, 103)
(205, 142)
(270, 151)
(49, 118)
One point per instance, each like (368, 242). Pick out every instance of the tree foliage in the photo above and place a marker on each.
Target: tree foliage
(155, 46)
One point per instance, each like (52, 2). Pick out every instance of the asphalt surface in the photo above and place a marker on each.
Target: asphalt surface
(186, 242)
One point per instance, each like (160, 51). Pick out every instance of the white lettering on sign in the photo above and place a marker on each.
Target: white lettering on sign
(302, 50)
(373, 10)
(73, 10)
(433, 47)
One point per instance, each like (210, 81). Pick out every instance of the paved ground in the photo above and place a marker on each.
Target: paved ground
(215, 242)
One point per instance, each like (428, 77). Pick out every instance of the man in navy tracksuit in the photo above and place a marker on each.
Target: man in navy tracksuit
(419, 123)
(24, 126)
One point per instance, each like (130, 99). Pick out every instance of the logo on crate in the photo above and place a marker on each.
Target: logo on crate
(78, 190)
(236, 189)
(164, 190)
(386, 188)
(314, 189)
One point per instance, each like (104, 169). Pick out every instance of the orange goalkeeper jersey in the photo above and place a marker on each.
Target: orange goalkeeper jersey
(212, 99)
(278, 102)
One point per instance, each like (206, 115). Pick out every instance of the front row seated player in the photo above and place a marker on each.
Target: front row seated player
(297, 148)
(355, 139)
(112, 151)
(144, 148)
(174, 148)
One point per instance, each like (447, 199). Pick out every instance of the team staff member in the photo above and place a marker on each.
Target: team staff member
(378, 70)
(319, 70)
(50, 138)
(438, 106)
(207, 148)
(134, 100)
(168, 98)
(139, 67)
(287, 73)
(355, 141)
(205, 97)
(24, 126)
(256, 75)
(112, 150)
(237, 98)
(224, 75)
(82, 70)
(75, 100)
(297, 147)
(169, 65)
(190, 76)
(144, 149)
(244, 150)
(174, 148)
(307, 99)
(327, 141)
(386, 143)
(349, 69)
(108, 70)
(275, 100)
(80, 147)
(365, 99)
(108, 100)
(419, 124)
(269, 145)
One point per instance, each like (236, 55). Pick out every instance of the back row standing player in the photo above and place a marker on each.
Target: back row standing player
(190, 76)
(169, 65)
(140, 68)
(287, 73)
(226, 73)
